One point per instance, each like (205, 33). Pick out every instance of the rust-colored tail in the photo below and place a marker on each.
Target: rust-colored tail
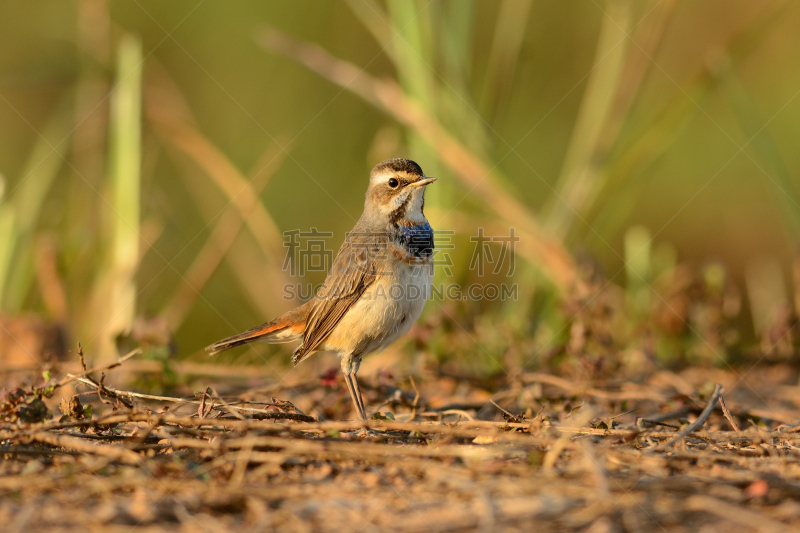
(285, 328)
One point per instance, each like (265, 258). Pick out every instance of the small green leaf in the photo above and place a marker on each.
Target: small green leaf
(87, 411)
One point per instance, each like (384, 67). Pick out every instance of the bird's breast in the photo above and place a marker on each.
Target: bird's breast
(416, 240)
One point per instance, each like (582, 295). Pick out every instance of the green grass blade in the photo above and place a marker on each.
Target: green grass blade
(770, 163)
(117, 286)
(8, 239)
(579, 171)
(24, 207)
(126, 133)
(509, 34)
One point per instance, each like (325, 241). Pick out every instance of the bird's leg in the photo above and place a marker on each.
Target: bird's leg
(354, 394)
(362, 408)
(350, 369)
(361, 411)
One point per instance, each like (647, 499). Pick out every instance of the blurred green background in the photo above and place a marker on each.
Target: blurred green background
(152, 154)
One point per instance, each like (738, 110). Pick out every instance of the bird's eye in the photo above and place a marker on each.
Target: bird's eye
(393, 183)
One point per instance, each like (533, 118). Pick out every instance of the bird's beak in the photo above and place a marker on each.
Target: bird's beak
(422, 182)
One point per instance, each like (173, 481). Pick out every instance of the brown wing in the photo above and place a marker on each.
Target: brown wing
(353, 270)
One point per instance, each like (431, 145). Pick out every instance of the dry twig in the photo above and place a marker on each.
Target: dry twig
(697, 423)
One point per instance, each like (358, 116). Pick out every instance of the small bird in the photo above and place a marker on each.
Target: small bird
(378, 283)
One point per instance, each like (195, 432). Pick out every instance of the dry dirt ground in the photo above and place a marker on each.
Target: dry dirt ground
(659, 454)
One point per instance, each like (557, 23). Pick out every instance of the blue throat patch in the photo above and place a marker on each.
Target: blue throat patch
(418, 240)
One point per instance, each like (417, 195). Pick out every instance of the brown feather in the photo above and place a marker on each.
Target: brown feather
(285, 328)
(352, 272)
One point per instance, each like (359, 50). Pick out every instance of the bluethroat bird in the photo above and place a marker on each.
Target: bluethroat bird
(377, 285)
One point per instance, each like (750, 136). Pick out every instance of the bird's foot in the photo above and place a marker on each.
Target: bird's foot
(366, 432)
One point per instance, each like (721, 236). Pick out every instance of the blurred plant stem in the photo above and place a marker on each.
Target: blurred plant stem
(116, 292)
(169, 114)
(478, 175)
(631, 149)
(509, 34)
(19, 214)
(579, 171)
(623, 59)
(224, 230)
(638, 271)
(773, 169)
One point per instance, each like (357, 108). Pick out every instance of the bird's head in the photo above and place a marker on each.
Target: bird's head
(396, 192)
